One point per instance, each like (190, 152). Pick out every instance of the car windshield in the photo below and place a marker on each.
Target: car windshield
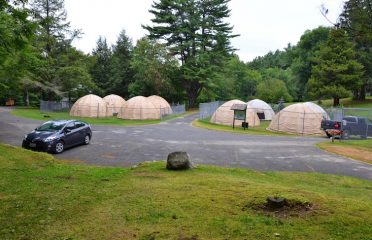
(51, 126)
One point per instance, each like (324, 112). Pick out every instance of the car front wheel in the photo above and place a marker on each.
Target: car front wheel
(59, 147)
(87, 140)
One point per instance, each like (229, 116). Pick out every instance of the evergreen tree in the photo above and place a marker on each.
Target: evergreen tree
(197, 34)
(121, 71)
(356, 19)
(336, 72)
(54, 30)
(102, 67)
(53, 44)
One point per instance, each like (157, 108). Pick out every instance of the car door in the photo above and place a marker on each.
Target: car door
(71, 134)
(81, 131)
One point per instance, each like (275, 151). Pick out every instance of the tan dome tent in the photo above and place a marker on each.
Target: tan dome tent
(139, 108)
(89, 106)
(263, 110)
(225, 116)
(161, 104)
(299, 118)
(317, 108)
(114, 103)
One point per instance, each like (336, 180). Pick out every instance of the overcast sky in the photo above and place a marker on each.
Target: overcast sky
(263, 25)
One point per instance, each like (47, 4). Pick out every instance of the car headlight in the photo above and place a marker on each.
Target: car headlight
(25, 136)
(49, 139)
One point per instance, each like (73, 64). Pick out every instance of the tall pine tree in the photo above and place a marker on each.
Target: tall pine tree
(337, 72)
(121, 71)
(102, 67)
(356, 19)
(196, 33)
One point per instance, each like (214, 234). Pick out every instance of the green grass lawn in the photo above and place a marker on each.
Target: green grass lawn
(349, 103)
(43, 198)
(258, 130)
(33, 113)
(365, 144)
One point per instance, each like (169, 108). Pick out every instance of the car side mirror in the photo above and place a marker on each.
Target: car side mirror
(67, 130)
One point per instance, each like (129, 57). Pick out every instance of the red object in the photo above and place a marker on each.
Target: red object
(334, 132)
(337, 125)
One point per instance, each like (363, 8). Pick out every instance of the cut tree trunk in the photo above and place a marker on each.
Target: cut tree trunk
(336, 101)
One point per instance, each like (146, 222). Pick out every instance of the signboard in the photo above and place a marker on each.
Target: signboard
(239, 115)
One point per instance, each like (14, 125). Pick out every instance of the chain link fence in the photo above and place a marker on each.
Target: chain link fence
(53, 106)
(103, 110)
(206, 110)
(354, 121)
(178, 109)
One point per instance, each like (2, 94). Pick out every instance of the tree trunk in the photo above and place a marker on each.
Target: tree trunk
(362, 93)
(27, 98)
(336, 101)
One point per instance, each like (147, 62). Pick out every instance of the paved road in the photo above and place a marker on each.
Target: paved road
(126, 146)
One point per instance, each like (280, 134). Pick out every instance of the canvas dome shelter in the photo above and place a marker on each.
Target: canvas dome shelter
(225, 116)
(299, 118)
(263, 110)
(161, 104)
(89, 106)
(317, 108)
(139, 108)
(114, 103)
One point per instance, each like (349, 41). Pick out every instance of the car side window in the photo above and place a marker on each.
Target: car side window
(70, 126)
(79, 124)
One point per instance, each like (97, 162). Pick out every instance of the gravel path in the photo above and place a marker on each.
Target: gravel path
(126, 146)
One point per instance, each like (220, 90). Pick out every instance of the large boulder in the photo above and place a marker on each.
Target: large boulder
(178, 161)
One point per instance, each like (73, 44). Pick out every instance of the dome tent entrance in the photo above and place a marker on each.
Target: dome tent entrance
(299, 118)
(114, 103)
(89, 106)
(225, 116)
(264, 110)
(139, 108)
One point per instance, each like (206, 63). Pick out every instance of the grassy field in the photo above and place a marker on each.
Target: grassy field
(33, 113)
(42, 198)
(348, 102)
(259, 130)
(357, 149)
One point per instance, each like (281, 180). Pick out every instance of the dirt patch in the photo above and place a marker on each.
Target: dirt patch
(290, 208)
(194, 237)
(65, 177)
(148, 175)
(351, 152)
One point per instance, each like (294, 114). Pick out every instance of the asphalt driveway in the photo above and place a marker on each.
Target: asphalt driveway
(126, 146)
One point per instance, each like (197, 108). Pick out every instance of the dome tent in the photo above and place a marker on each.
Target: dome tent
(225, 116)
(161, 104)
(89, 106)
(299, 118)
(114, 103)
(318, 108)
(262, 108)
(139, 108)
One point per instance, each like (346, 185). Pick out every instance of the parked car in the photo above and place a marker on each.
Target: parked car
(56, 136)
(350, 125)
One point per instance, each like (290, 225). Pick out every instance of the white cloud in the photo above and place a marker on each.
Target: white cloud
(263, 25)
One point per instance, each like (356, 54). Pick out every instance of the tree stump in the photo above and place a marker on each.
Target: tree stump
(276, 202)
